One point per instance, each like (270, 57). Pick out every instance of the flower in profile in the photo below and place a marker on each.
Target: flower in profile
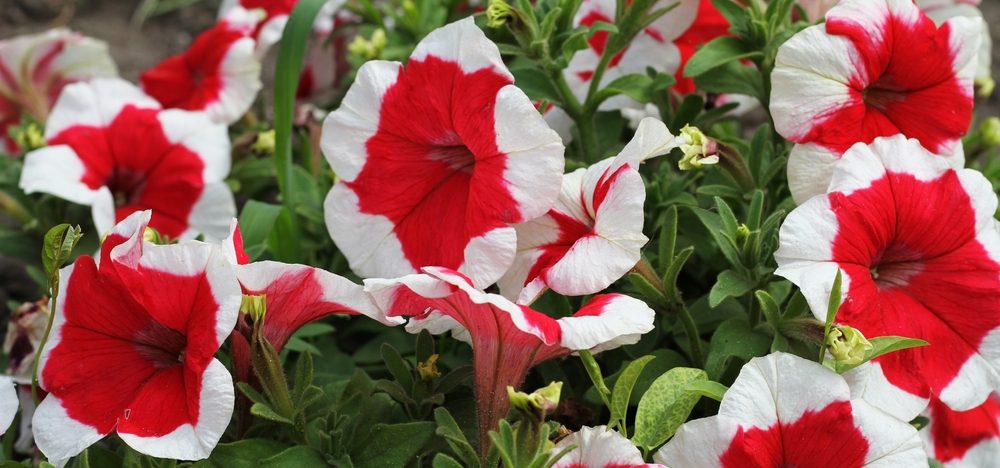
(872, 69)
(112, 147)
(442, 189)
(599, 447)
(783, 410)
(35, 68)
(593, 235)
(653, 47)
(919, 253)
(217, 74)
(964, 439)
(131, 349)
(275, 15)
(507, 339)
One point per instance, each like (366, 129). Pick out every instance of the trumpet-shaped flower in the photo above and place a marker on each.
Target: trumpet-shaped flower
(34, 69)
(599, 447)
(442, 189)
(873, 69)
(919, 253)
(112, 147)
(783, 410)
(507, 339)
(964, 439)
(217, 74)
(131, 349)
(593, 235)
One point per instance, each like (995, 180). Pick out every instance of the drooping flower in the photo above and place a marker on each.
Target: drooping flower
(873, 69)
(24, 335)
(217, 74)
(112, 147)
(964, 439)
(919, 252)
(132, 345)
(507, 339)
(269, 30)
(34, 69)
(654, 47)
(593, 235)
(444, 188)
(943, 10)
(783, 410)
(599, 447)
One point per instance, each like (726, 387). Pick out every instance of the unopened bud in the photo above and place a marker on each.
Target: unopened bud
(428, 369)
(699, 150)
(542, 401)
(984, 86)
(255, 306)
(847, 345)
(369, 49)
(742, 231)
(497, 13)
(990, 129)
(28, 136)
(265, 142)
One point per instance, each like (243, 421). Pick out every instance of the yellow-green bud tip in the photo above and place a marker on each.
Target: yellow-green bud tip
(985, 86)
(497, 13)
(990, 129)
(847, 345)
(543, 401)
(369, 49)
(29, 136)
(699, 150)
(428, 369)
(265, 142)
(254, 305)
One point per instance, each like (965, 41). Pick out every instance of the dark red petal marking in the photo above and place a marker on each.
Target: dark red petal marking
(898, 79)
(916, 270)
(293, 300)
(819, 439)
(192, 80)
(955, 432)
(439, 178)
(133, 348)
(134, 159)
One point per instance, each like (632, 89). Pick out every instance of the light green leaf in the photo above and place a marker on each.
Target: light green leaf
(665, 406)
(728, 284)
(623, 388)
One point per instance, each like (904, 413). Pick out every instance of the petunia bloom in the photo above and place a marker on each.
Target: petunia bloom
(131, 349)
(875, 68)
(708, 24)
(964, 439)
(507, 339)
(442, 189)
(112, 147)
(599, 447)
(217, 74)
(943, 10)
(34, 69)
(783, 410)
(593, 235)
(919, 252)
(269, 30)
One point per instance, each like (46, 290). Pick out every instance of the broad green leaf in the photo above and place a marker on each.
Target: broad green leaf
(299, 455)
(452, 433)
(732, 78)
(256, 221)
(729, 283)
(393, 444)
(246, 453)
(708, 388)
(718, 52)
(535, 84)
(622, 391)
(635, 86)
(444, 461)
(665, 406)
(734, 339)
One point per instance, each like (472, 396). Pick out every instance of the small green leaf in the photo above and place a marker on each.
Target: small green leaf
(729, 283)
(452, 433)
(265, 411)
(831, 311)
(635, 86)
(718, 52)
(594, 371)
(887, 344)
(246, 453)
(623, 389)
(646, 289)
(392, 444)
(708, 388)
(299, 455)
(665, 406)
(397, 366)
(732, 78)
(58, 246)
(668, 238)
(770, 308)
(444, 461)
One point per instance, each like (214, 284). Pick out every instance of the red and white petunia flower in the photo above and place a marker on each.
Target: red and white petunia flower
(442, 189)
(654, 47)
(507, 339)
(275, 12)
(593, 235)
(114, 148)
(131, 349)
(708, 24)
(964, 439)
(34, 69)
(599, 447)
(919, 252)
(943, 10)
(217, 74)
(873, 69)
(783, 410)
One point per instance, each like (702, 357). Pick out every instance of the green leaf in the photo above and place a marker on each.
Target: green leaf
(284, 239)
(393, 444)
(264, 411)
(635, 86)
(729, 283)
(771, 309)
(713, 223)
(831, 310)
(452, 433)
(734, 339)
(623, 389)
(58, 246)
(718, 52)
(442, 461)
(668, 238)
(665, 406)
(397, 366)
(594, 371)
(299, 455)
(883, 345)
(535, 84)
(708, 388)
(246, 453)
(291, 51)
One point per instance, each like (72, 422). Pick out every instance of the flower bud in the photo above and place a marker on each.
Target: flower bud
(497, 13)
(28, 136)
(542, 401)
(369, 49)
(990, 129)
(255, 306)
(265, 143)
(984, 86)
(428, 369)
(699, 150)
(847, 345)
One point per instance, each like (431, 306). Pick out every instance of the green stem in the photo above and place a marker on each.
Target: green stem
(584, 120)
(595, 80)
(736, 166)
(54, 292)
(12, 208)
(645, 269)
